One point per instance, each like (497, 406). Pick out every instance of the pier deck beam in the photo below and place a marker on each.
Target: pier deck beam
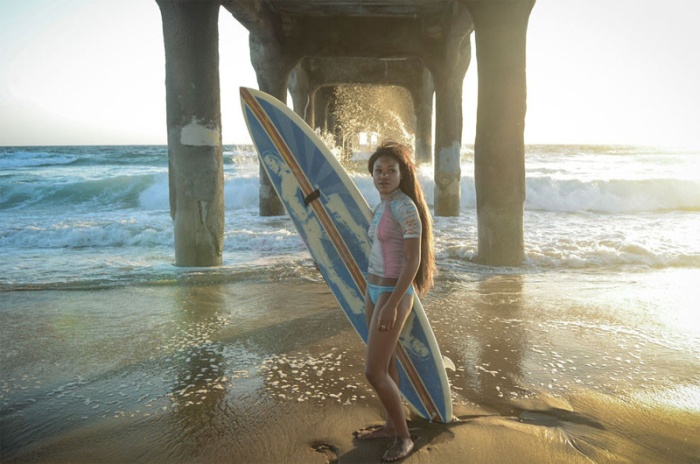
(195, 157)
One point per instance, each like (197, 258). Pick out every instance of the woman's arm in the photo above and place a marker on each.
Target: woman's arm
(387, 315)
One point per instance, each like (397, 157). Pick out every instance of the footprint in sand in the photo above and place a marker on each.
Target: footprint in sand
(330, 451)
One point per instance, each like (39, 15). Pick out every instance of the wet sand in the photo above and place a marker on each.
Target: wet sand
(585, 367)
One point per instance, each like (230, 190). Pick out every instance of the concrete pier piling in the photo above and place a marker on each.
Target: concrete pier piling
(195, 157)
(499, 150)
(313, 47)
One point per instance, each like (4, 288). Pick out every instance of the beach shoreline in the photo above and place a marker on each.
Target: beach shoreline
(552, 367)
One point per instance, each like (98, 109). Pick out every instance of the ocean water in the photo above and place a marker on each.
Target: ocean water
(92, 217)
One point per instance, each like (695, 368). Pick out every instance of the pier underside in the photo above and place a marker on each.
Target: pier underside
(312, 47)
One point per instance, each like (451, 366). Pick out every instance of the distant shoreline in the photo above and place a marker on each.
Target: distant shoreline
(682, 149)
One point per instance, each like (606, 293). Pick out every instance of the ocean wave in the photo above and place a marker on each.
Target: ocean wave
(539, 257)
(31, 159)
(89, 233)
(612, 196)
(547, 193)
(244, 232)
(239, 193)
(107, 194)
(95, 156)
(608, 179)
(586, 240)
(128, 271)
(607, 256)
(84, 247)
(149, 192)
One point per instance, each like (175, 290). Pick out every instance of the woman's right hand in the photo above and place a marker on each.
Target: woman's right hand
(387, 318)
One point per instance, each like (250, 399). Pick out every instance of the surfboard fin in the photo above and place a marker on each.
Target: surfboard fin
(312, 196)
(448, 363)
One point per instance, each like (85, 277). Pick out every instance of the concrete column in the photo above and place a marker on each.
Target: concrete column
(319, 113)
(422, 95)
(499, 152)
(302, 97)
(332, 119)
(322, 105)
(195, 159)
(272, 67)
(448, 75)
(310, 115)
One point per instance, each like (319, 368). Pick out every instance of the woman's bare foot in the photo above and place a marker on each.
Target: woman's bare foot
(401, 448)
(374, 433)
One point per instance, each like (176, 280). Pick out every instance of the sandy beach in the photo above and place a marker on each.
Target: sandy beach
(572, 367)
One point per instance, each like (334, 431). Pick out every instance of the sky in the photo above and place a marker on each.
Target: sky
(84, 72)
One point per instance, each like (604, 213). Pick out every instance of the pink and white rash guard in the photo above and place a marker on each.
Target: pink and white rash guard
(395, 219)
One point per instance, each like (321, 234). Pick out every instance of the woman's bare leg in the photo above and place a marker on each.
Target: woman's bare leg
(380, 353)
(388, 430)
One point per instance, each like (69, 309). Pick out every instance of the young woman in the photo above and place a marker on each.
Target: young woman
(401, 262)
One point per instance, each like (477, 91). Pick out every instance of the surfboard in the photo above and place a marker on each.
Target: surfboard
(333, 218)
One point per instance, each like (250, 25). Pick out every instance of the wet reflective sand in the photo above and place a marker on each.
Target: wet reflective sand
(575, 367)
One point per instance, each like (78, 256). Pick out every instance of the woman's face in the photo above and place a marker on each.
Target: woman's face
(386, 174)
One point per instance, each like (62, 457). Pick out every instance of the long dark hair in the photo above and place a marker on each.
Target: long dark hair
(411, 186)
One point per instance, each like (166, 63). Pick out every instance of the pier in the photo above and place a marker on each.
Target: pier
(309, 46)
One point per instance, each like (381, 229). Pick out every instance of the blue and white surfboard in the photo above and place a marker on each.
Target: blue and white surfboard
(333, 219)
